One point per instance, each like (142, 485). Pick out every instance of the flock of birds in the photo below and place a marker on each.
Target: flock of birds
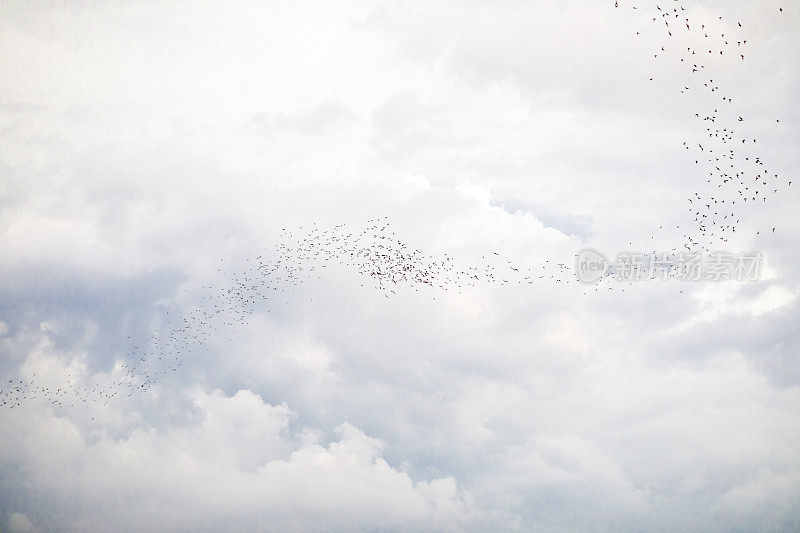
(737, 179)
(736, 176)
(375, 253)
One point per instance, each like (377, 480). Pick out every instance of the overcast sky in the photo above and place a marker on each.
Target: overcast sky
(146, 145)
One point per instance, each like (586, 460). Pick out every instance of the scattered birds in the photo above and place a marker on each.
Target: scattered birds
(736, 179)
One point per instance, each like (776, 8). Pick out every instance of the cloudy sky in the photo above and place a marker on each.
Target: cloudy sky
(150, 150)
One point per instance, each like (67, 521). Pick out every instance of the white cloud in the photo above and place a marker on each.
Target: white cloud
(236, 464)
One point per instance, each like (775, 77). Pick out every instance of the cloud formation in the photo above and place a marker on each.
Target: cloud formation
(151, 151)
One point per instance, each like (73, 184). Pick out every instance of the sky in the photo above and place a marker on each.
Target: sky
(151, 153)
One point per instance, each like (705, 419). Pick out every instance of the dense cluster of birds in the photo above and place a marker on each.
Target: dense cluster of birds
(736, 179)
(736, 176)
(374, 253)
